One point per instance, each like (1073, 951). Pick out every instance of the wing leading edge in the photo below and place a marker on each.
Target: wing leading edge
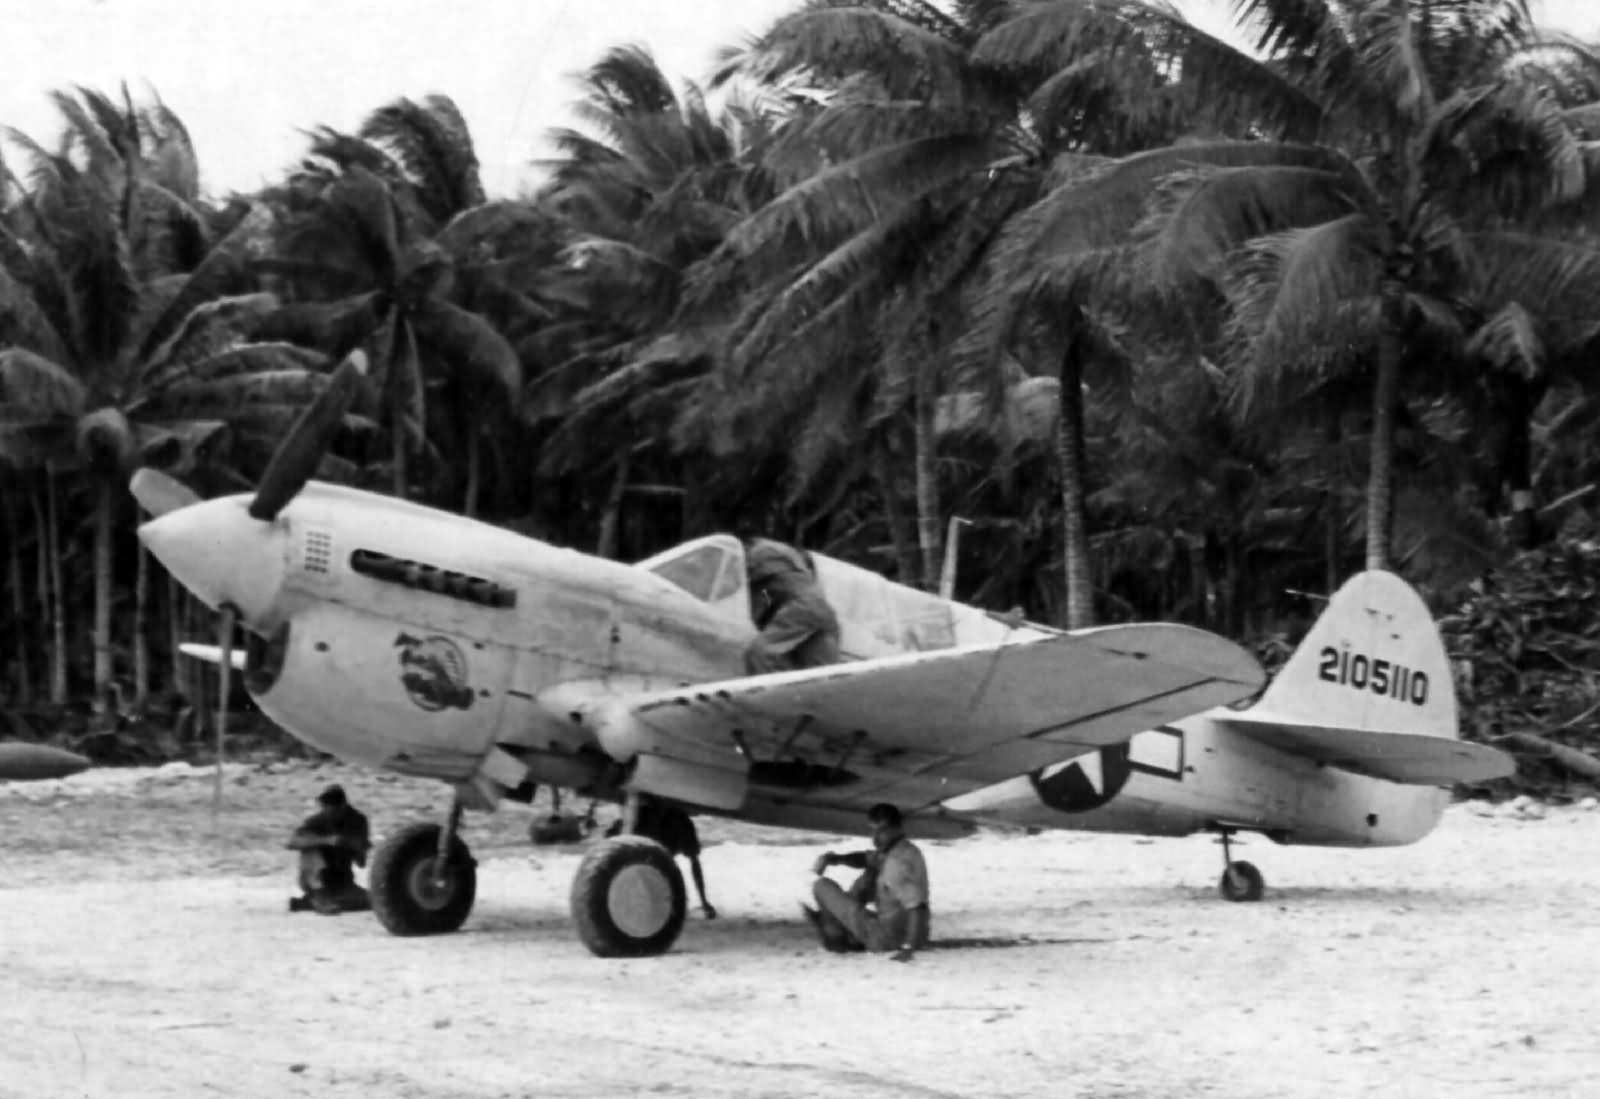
(922, 727)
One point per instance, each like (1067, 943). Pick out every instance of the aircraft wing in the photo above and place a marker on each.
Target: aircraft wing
(918, 728)
(1399, 757)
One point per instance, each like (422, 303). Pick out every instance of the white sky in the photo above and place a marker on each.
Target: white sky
(246, 79)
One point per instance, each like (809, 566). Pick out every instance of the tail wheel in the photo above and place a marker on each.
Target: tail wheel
(1241, 881)
(628, 899)
(411, 893)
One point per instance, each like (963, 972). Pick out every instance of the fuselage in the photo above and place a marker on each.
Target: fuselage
(401, 637)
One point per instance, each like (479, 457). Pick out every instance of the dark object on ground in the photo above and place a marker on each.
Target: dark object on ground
(23, 762)
(558, 828)
(352, 898)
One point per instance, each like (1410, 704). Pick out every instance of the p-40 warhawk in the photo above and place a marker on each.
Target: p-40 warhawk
(400, 637)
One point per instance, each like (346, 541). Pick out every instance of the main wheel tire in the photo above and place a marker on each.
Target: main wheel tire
(628, 899)
(405, 894)
(1241, 882)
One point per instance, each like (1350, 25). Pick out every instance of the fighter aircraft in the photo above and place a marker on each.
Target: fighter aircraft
(413, 640)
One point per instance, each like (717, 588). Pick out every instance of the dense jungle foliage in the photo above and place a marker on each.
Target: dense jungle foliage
(1175, 331)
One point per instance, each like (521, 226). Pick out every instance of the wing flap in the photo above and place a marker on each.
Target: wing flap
(1409, 758)
(922, 727)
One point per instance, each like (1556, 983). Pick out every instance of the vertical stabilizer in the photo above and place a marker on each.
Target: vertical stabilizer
(1372, 662)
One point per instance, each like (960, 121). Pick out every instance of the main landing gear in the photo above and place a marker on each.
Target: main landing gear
(1241, 881)
(628, 899)
(423, 879)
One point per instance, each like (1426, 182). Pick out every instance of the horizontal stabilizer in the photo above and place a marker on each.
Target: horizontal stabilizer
(1410, 758)
(212, 654)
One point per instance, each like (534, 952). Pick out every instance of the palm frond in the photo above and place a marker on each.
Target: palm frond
(1200, 217)
(834, 43)
(866, 266)
(226, 270)
(470, 344)
(1510, 341)
(334, 327)
(23, 321)
(1387, 46)
(1299, 290)
(1129, 41)
(1502, 152)
(170, 157)
(832, 205)
(433, 145)
(1555, 275)
(33, 385)
(1100, 208)
(227, 397)
(206, 331)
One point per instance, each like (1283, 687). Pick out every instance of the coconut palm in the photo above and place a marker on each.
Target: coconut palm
(364, 257)
(1418, 182)
(111, 357)
(897, 190)
(650, 191)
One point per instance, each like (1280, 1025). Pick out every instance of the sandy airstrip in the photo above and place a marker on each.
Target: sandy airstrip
(146, 951)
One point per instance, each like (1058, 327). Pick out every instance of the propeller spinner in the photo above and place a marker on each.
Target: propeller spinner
(227, 551)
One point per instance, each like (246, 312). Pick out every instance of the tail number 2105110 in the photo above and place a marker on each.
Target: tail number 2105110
(1365, 673)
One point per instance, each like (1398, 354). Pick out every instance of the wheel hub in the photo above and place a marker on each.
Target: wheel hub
(640, 901)
(431, 888)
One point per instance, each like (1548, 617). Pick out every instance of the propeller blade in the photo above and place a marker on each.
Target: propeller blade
(212, 654)
(302, 449)
(159, 493)
(225, 667)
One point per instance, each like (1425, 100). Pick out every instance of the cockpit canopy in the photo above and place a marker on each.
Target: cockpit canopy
(711, 569)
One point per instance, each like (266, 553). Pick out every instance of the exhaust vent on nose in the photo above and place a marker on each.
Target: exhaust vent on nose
(317, 552)
(421, 576)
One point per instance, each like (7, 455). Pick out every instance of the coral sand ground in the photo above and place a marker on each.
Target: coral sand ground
(146, 951)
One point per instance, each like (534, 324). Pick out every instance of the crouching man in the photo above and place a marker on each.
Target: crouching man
(886, 910)
(332, 842)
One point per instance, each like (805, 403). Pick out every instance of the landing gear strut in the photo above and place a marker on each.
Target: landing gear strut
(628, 898)
(1241, 881)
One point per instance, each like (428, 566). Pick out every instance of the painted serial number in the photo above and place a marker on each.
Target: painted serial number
(1364, 673)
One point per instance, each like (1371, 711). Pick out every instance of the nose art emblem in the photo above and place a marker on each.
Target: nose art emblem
(433, 671)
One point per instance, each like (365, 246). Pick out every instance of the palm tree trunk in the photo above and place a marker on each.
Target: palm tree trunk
(474, 470)
(19, 602)
(1071, 463)
(1330, 501)
(927, 474)
(1385, 399)
(901, 536)
(179, 671)
(1516, 462)
(57, 612)
(102, 597)
(141, 643)
(611, 518)
(402, 366)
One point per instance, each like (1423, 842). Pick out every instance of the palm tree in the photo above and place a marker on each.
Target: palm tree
(652, 191)
(1423, 163)
(363, 256)
(112, 358)
(929, 144)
